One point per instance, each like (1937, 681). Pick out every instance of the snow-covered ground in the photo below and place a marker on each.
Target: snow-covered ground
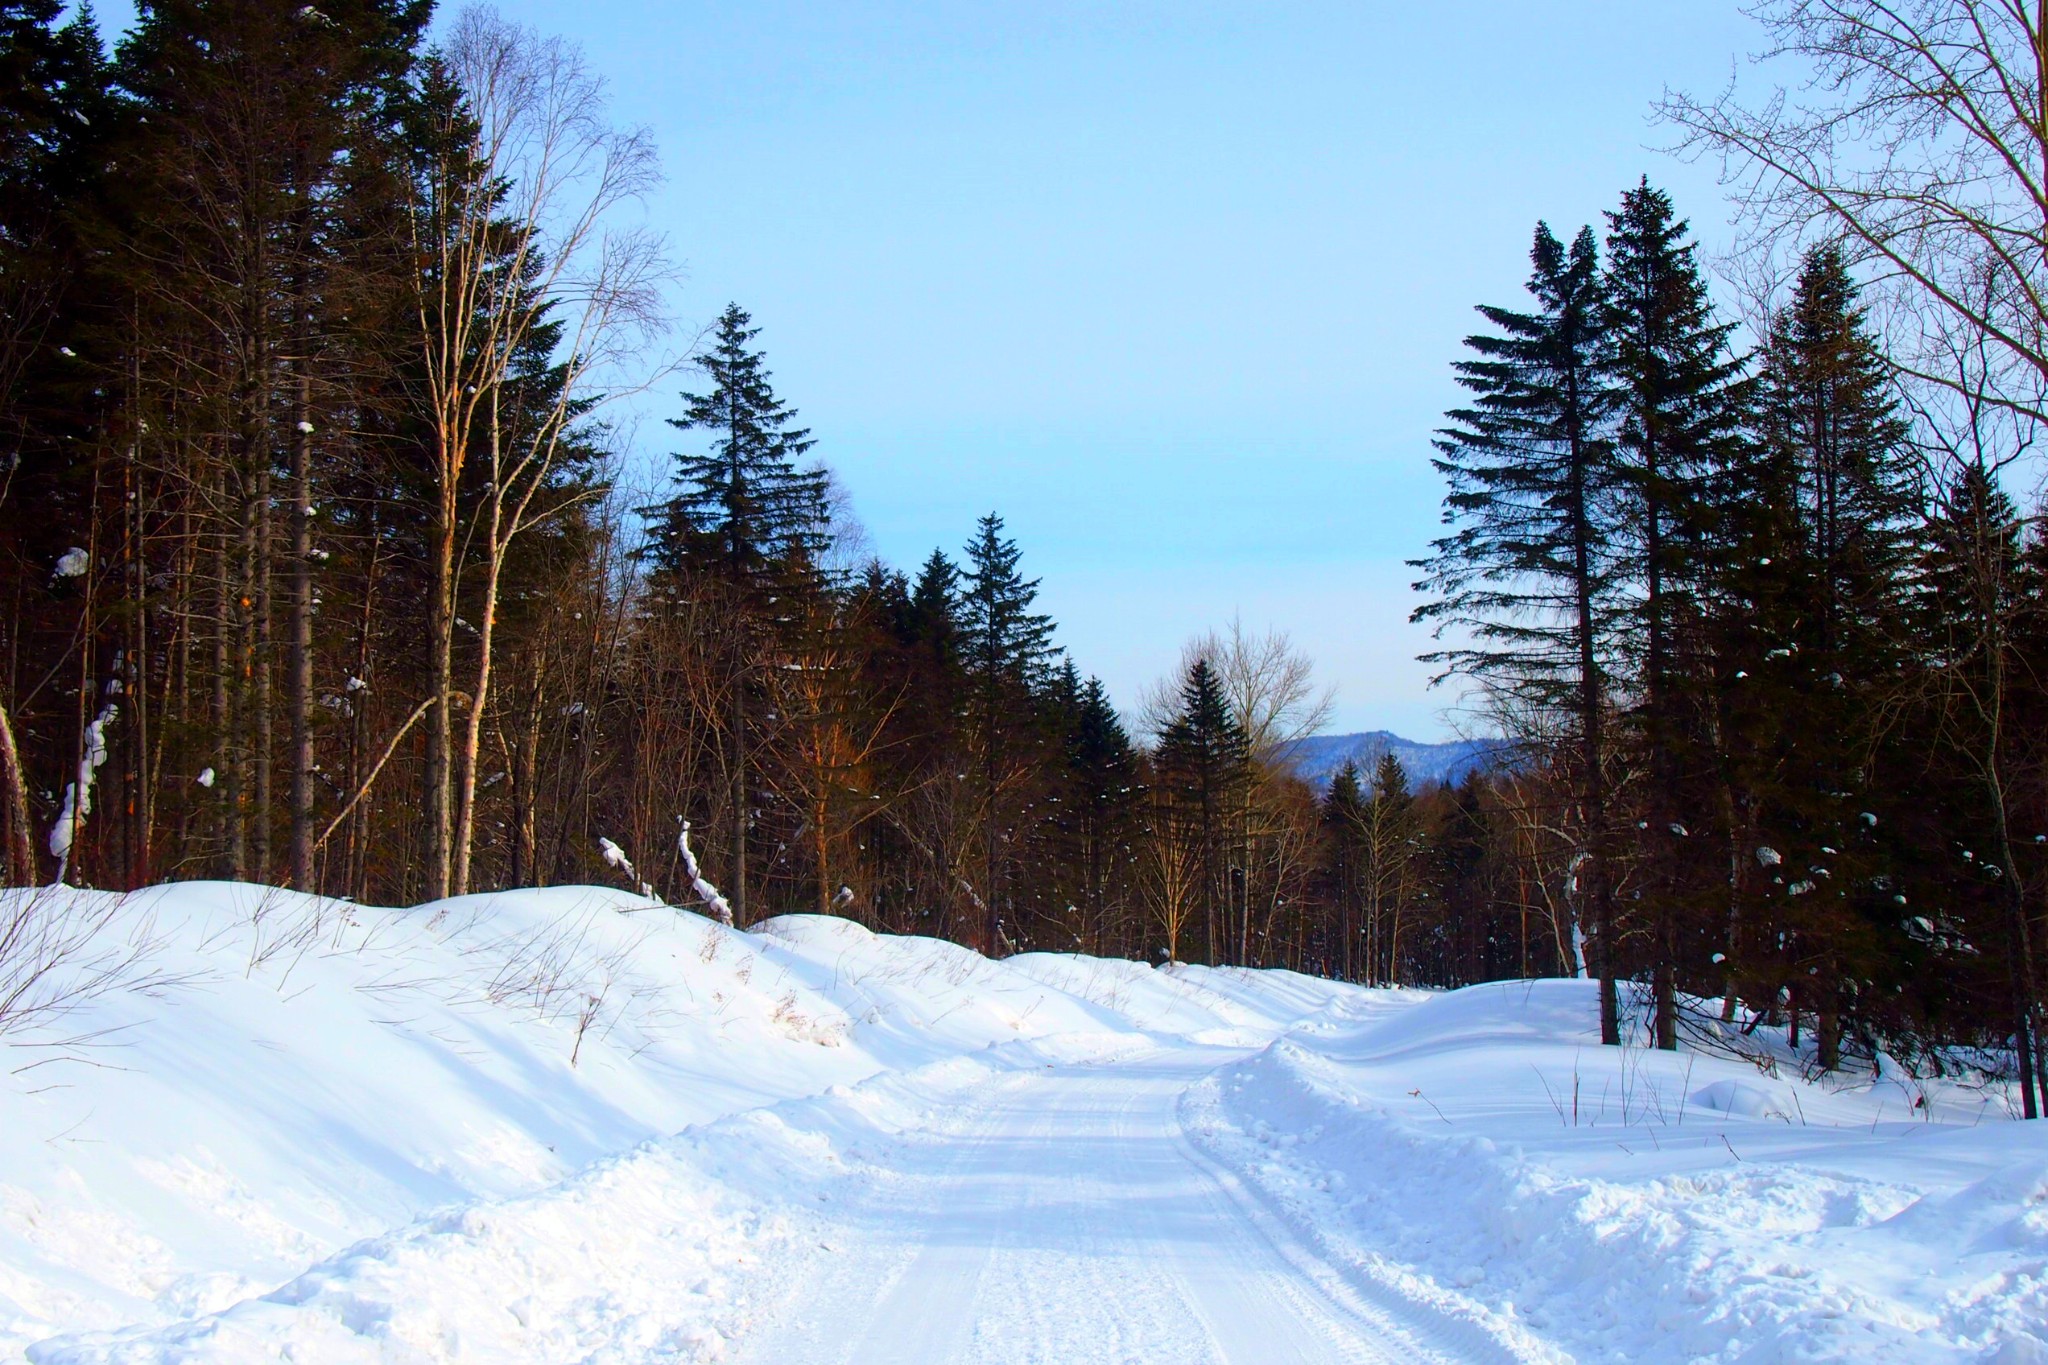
(571, 1125)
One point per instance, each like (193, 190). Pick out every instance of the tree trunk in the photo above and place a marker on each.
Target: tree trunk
(1665, 987)
(264, 653)
(242, 771)
(1827, 1028)
(821, 842)
(1663, 993)
(441, 678)
(300, 699)
(473, 730)
(1738, 864)
(524, 762)
(21, 853)
(355, 871)
(1592, 776)
(736, 795)
(141, 803)
(227, 821)
(2020, 954)
(2019, 935)
(992, 932)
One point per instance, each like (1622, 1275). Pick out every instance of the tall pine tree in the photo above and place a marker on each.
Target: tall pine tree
(1099, 797)
(748, 523)
(1005, 649)
(53, 115)
(1342, 817)
(1204, 763)
(746, 510)
(1682, 400)
(1970, 612)
(1527, 580)
(1828, 401)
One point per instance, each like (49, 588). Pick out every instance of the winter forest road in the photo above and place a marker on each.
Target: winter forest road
(1063, 1216)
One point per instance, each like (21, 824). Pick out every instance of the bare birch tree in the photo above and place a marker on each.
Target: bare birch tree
(516, 228)
(1918, 137)
(1171, 865)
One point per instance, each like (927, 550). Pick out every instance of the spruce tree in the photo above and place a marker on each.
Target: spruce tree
(1830, 393)
(936, 692)
(1828, 399)
(1391, 839)
(1747, 686)
(234, 242)
(1005, 649)
(54, 109)
(1390, 778)
(1204, 763)
(747, 523)
(1529, 574)
(1001, 638)
(1681, 401)
(1970, 610)
(54, 101)
(745, 511)
(1342, 816)
(933, 621)
(1100, 796)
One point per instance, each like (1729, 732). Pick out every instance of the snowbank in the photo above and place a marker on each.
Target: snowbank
(577, 1125)
(1482, 1150)
(445, 1111)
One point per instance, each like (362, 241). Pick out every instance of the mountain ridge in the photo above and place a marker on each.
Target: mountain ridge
(1317, 758)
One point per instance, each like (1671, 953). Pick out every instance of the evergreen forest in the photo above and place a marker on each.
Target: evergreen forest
(321, 566)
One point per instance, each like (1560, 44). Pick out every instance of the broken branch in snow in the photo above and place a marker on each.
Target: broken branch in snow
(78, 795)
(706, 892)
(616, 856)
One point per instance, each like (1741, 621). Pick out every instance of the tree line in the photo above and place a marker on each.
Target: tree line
(1765, 615)
(1768, 629)
(318, 569)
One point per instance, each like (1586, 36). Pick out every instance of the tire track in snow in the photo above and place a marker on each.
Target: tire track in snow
(1453, 1327)
(1425, 1332)
(878, 1292)
(1257, 1301)
(1071, 1282)
(1068, 1217)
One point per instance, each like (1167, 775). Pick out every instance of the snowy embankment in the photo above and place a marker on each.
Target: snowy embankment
(572, 1125)
(450, 1115)
(1625, 1204)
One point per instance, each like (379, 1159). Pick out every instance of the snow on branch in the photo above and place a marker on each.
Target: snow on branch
(78, 795)
(616, 856)
(706, 892)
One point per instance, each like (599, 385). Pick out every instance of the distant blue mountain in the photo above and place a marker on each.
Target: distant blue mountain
(1318, 757)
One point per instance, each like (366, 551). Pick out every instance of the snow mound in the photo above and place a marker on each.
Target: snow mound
(370, 1133)
(576, 1124)
(1749, 1099)
(1618, 1204)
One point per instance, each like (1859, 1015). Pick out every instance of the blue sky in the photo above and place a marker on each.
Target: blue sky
(1175, 287)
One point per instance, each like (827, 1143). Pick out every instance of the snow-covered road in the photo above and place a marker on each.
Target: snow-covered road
(1063, 1215)
(574, 1126)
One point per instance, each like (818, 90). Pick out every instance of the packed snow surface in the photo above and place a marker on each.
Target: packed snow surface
(578, 1126)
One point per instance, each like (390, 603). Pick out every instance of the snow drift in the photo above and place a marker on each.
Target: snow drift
(1626, 1204)
(575, 1124)
(308, 1077)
